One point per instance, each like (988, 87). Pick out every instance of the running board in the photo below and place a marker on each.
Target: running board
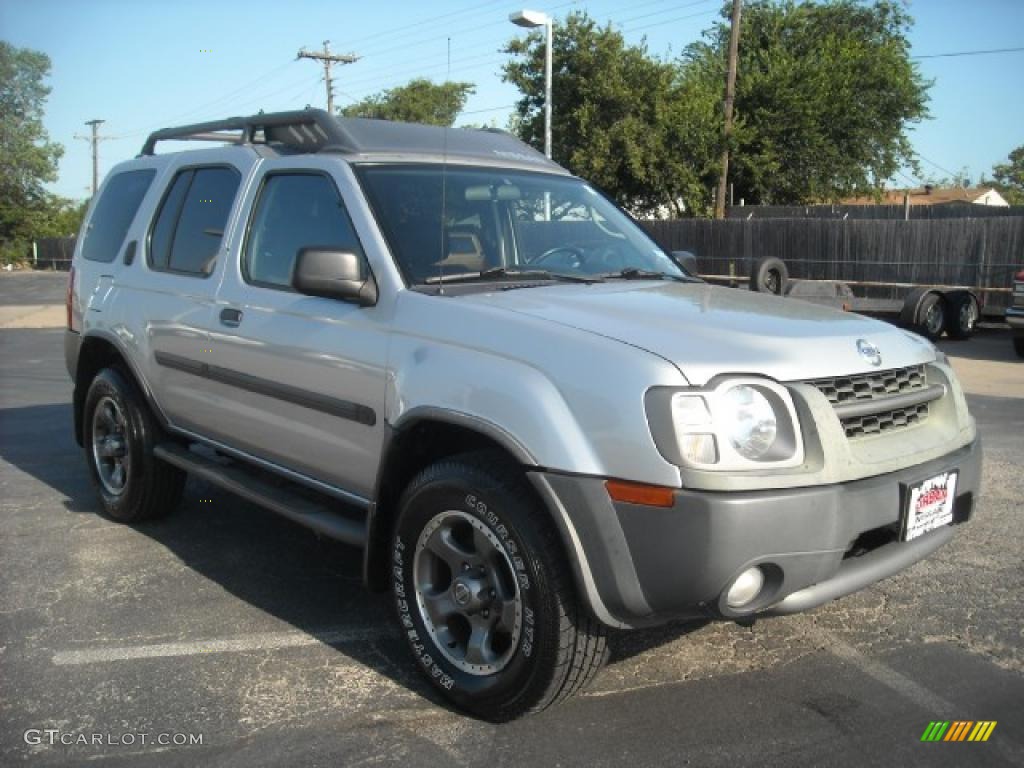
(251, 484)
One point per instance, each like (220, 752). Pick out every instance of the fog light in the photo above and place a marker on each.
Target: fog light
(746, 587)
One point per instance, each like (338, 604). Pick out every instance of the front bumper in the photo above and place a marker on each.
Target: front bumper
(641, 566)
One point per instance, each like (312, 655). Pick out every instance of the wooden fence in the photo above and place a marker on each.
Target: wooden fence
(54, 253)
(972, 252)
(942, 211)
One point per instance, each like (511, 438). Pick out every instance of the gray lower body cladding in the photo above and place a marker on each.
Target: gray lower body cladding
(1015, 318)
(642, 566)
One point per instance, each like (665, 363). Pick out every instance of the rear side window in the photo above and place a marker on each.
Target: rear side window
(294, 210)
(113, 214)
(189, 227)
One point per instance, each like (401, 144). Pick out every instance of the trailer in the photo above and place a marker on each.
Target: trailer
(930, 310)
(936, 276)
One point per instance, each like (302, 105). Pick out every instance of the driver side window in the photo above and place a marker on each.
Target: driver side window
(550, 230)
(293, 211)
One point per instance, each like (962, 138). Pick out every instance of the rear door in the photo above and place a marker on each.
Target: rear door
(176, 289)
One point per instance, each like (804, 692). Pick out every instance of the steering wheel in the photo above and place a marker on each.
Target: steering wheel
(578, 253)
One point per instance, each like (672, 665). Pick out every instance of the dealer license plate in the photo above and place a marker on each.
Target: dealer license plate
(929, 505)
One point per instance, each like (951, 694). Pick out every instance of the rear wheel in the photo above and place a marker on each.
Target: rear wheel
(120, 433)
(483, 592)
(962, 316)
(1018, 344)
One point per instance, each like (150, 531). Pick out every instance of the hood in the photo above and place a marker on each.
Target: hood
(706, 331)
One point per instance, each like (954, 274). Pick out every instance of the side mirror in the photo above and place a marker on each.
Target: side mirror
(334, 274)
(688, 260)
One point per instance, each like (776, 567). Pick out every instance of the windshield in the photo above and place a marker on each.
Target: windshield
(504, 224)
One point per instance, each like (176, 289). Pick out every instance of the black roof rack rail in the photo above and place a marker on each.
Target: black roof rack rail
(307, 130)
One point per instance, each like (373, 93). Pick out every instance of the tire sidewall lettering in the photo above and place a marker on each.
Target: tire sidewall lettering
(401, 556)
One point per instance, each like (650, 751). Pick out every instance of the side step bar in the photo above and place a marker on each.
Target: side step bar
(251, 484)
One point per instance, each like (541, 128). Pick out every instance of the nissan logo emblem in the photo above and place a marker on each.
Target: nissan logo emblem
(462, 593)
(869, 352)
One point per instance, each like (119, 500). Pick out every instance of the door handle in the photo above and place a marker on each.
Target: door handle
(230, 317)
(129, 252)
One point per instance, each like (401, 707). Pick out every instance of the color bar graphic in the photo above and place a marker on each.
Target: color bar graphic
(958, 730)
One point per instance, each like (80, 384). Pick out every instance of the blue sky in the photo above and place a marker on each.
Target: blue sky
(141, 65)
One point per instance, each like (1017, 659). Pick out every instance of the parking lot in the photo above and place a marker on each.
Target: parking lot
(229, 622)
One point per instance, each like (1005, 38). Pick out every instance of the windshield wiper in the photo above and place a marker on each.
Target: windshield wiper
(634, 273)
(515, 274)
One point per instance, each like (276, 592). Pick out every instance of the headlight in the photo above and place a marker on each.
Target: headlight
(749, 421)
(742, 423)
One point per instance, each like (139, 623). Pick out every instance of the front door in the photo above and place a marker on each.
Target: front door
(299, 380)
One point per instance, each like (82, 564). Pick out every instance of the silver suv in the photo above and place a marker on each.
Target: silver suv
(440, 347)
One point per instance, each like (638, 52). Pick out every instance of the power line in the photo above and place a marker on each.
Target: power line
(454, 33)
(395, 73)
(932, 162)
(909, 179)
(263, 97)
(420, 70)
(416, 28)
(668, 10)
(268, 75)
(670, 21)
(968, 53)
(489, 109)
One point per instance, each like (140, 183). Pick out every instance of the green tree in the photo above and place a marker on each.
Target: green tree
(622, 119)
(1009, 177)
(28, 159)
(418, 101)
(824, 96)
(60, 217)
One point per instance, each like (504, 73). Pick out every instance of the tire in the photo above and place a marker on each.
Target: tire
(118, 429)
(1018, 344)
(769, 275)
(962, 315)
(543, 645)
(925, 312)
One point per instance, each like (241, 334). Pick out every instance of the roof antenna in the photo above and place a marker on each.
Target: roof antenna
(444, 183)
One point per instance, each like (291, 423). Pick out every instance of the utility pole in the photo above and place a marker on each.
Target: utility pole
(328, 59)
(94, 139)
(730, 96)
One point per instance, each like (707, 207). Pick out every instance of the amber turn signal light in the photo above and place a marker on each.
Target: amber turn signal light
(635, 493)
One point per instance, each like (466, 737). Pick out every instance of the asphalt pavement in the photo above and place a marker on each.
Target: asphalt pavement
(226, 622)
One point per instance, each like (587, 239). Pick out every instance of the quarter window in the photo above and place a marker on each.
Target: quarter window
(188, 230)
(294, 211)
(114, 212)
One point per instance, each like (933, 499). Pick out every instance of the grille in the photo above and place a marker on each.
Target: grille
(877, 423)
(871, 386)
(876, 386)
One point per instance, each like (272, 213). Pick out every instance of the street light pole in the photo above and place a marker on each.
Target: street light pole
(547, 87)
(530, 20)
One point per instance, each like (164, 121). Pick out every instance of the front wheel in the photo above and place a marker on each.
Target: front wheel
(483, 593)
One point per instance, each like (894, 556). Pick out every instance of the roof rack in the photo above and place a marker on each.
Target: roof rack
(313, 130)
(307, 130)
